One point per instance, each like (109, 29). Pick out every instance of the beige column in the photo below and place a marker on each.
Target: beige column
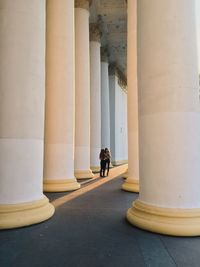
(132, 182)
(105, 103)
(22, 87)
(169, 119)
(95, 97)
(82, 99)
(59, 104)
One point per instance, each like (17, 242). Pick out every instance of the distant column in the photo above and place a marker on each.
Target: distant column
(95, 96)
(169, 119)
(82, 92)
(132, 182)
(105, 103)
(59, 104)
(22, 90)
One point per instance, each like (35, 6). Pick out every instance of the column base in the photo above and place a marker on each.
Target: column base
(84, 174)
(119, 162)
(60, 185)
(24, 214)
(95, 169)
(125, 175)
(168, 221)
(131, 185)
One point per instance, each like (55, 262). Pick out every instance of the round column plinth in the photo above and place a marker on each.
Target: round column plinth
(168, 221)
(131, 185)
(125, 175)
(60, 185)
(83, 174)
(24, 214)
(95, 169)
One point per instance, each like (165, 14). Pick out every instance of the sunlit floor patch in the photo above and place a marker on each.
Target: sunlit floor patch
(115, 172)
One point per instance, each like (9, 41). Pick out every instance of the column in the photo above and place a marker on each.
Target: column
(22, 87)
(82, 99)
(105, 105)
(117, 118)
(132, 182)
(95, 97)
(169, 119)
(59, 104)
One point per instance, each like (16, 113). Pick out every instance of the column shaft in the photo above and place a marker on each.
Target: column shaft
(59, 115)
(82, 99)
(105, 106)
(132, 182)
(22, 87)
(169, 119)
(95, 104)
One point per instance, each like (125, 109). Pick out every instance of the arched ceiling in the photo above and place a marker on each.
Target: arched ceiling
(111, 15)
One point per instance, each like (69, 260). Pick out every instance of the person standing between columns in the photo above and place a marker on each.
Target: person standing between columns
(108, 159)
(95, 93)
(60, 93)
(82, 91)
(102, 157)
(132, 182)
(22, 90)
(169, 119)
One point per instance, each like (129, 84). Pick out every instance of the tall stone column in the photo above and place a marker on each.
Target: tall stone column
(22, 87)
(59, 115)
(132, 182)
(169, 119)
(105, 104)
(82, 84)
(95, 96)
(118, 117)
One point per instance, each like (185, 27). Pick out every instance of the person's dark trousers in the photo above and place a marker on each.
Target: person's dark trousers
(108, 166)
(103, 168)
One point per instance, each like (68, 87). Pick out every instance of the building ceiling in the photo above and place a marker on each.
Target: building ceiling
(111, 15)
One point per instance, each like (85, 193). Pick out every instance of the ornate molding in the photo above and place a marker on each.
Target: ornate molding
(122, 79)
(95, 33)
(83, 4)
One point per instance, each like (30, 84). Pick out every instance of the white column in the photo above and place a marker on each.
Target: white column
(132, 182)
(22, 87)
(82, 84)
(105, 104)
(59, 104)
(169, 119)
(117, 119)
(95, 99)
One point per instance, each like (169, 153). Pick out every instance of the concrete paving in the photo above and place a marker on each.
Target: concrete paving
(89, 229)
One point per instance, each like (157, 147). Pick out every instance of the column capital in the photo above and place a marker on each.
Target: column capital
(83, 4)
(95, 33)
(104, 54)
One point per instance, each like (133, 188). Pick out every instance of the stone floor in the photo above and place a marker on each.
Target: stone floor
(89, 229)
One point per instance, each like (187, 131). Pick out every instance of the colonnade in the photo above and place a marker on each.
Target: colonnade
(51, 96)
(62, 125)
